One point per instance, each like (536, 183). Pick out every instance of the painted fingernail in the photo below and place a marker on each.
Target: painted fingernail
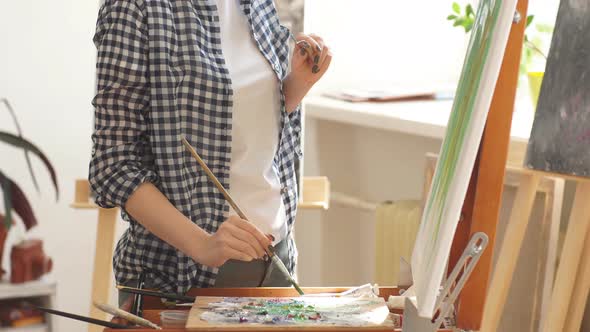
(302, 51)
(315, 69)
(317, 47)
(270, 237)
(316, 59)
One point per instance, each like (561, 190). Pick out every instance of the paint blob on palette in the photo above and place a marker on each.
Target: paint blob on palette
(294, 312)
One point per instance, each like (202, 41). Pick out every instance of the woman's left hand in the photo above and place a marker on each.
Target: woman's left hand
(311, 59)
(309, 63)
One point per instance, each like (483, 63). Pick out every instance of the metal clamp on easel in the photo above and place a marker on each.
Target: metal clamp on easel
(450, 291)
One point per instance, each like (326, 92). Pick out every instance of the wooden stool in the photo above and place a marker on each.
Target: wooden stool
(103, 255)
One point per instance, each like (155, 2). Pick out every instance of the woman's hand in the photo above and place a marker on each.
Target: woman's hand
(310, 61)
(235, 239)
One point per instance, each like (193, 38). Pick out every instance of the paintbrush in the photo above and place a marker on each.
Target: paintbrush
(270, 250)
(85, 319)
(169, 296)
(109, 309)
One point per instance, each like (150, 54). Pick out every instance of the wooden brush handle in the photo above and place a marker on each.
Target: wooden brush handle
(213, 178)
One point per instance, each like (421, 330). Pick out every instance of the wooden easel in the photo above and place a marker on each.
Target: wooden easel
(103, 255)
(483, 200)
(567, 307)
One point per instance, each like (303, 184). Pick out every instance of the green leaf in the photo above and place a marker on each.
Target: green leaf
(19, 202)
(7, 192)
(468, 26)
(26, 145)
(451, 17)
(456, 8)
(20, 134)
(469, 10)
(529, 20)
(459, 22)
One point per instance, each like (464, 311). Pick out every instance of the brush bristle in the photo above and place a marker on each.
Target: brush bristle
(299, 290)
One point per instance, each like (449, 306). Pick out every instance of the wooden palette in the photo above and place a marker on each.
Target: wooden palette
(372, 314)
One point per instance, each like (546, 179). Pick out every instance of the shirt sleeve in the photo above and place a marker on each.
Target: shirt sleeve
(295, 120)
(120, 156)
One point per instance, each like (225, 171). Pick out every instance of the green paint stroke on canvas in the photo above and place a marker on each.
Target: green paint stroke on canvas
(463, 108)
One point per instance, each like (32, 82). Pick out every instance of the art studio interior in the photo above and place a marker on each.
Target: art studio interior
(303, 165)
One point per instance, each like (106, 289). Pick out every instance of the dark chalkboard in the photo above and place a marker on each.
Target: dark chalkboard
(560, 138)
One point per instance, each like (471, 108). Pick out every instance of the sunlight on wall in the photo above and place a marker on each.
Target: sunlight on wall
(385, 42)
(388, 42)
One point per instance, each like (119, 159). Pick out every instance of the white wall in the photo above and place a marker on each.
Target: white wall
(374, 43)
(388, 41)
(47, 64)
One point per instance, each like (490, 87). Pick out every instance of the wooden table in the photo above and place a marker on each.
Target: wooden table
(153, 306)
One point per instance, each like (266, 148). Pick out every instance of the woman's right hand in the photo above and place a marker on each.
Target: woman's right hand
(235, 239)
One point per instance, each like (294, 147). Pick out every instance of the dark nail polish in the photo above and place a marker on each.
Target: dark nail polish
(315, 69)
(302, 51)
(316, 59)
(318, 48)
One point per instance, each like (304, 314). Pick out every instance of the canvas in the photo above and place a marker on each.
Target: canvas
(560, 135)
(459, 149)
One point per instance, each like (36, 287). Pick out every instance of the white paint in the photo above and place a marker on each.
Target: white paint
(47, 72)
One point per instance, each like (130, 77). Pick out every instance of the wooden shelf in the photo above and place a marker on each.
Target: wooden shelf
(316, 193)
(28, 289)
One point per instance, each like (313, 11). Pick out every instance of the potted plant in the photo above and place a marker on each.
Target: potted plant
(464, 17)
(15, 199)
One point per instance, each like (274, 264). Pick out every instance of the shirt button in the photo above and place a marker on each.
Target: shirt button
(284, 190)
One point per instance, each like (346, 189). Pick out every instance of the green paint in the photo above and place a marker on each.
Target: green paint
(461, 115)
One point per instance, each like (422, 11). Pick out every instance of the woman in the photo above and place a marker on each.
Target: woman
(218, 72)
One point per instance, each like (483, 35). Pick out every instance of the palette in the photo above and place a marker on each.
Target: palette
(298, 313)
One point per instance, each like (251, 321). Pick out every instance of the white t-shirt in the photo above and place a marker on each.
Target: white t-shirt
(254, 181)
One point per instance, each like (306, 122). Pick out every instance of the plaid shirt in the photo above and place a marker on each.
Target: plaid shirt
(161, 75)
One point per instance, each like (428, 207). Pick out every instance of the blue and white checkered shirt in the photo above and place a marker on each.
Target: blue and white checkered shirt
(161, 75)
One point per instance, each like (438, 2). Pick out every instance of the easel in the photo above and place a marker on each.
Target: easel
(103, 255)
(567, 307)
(482, 203)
